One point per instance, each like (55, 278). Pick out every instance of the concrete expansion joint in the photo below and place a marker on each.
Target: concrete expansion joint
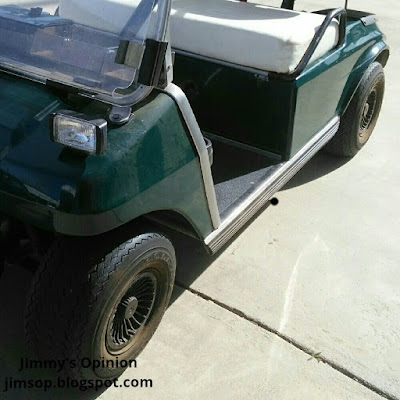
(294, 343)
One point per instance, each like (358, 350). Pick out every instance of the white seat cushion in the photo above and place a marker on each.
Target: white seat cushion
(251, 35)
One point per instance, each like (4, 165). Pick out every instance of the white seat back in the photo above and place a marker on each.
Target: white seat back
(247, 34)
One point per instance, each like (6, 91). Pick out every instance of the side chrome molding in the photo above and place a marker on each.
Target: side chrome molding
(181, 100)
(242, 214)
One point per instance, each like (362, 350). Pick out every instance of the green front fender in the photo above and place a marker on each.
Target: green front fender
(150, 165)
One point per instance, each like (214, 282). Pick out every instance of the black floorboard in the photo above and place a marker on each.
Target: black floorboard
(237, 173)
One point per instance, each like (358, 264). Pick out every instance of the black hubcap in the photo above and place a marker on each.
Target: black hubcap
(367, 116)
(131, 313)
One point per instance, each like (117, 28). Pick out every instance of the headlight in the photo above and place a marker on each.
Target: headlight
(79, 132)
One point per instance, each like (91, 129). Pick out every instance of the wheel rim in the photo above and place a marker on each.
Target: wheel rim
(367, 116)
(131, 313)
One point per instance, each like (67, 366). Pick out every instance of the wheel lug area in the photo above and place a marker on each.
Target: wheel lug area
(130, 306)
(131, 313)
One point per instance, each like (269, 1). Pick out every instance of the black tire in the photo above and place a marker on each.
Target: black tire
(360, 118)
(89, 297)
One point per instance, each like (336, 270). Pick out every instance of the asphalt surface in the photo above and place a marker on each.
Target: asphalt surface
(303, 304)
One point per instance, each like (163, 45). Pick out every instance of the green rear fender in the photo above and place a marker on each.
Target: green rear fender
(378, 51)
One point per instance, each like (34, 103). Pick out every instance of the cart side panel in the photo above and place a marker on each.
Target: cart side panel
(238, 105)
(326, 87)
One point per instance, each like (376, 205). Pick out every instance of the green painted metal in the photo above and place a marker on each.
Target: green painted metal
(150, 165)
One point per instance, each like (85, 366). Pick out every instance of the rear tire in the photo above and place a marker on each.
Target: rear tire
(360, 118)
(92, 301)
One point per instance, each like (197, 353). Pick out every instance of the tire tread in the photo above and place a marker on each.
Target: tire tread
(44, 337)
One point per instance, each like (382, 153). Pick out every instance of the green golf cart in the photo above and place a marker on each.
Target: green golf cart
(121, 120)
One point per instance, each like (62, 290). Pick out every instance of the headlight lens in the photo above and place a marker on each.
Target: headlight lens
(86, 135)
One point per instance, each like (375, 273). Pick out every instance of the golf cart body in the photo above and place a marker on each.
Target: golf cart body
(152, 82)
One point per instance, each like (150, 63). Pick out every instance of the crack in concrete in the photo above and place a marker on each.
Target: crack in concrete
(293, 342)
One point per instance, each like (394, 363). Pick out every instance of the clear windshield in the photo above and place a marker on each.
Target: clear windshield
(75, 42)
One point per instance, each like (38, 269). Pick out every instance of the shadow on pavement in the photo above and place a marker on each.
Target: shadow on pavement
(320, 165)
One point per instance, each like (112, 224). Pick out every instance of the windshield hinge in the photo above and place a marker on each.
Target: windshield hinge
(152, 63)
(149, 58)
(119, 115)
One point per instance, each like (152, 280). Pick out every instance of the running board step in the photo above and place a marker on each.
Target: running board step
(252, 204)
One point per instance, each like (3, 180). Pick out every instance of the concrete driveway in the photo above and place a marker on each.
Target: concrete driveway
(303, 304)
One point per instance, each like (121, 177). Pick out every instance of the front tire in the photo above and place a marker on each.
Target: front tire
(360, 118)
(92, 304)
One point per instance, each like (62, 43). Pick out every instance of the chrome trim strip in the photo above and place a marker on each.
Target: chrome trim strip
(242, 146)
(255, 71)
(242, 214)
(181, 100)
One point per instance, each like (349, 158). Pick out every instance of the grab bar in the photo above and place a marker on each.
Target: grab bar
(338, 12)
